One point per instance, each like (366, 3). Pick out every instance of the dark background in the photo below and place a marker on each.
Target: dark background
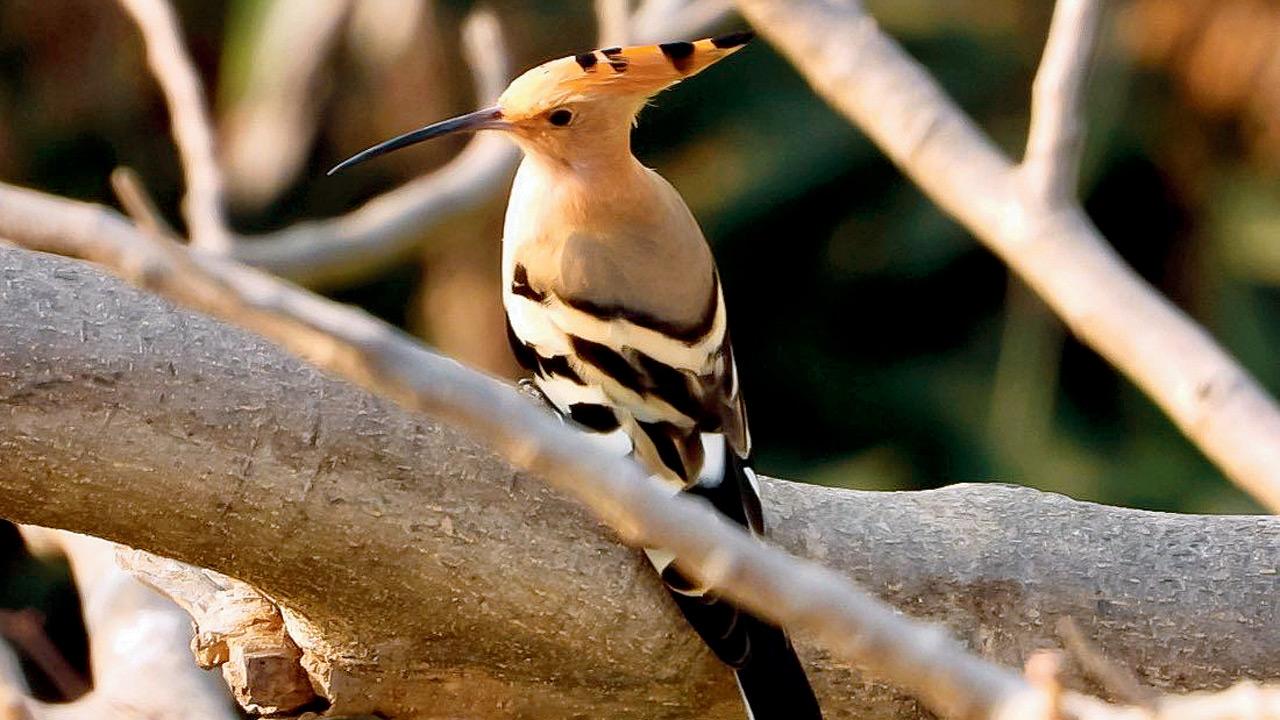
(880, 346)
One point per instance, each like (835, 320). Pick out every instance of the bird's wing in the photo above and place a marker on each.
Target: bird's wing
(615, 373)
(585, 355)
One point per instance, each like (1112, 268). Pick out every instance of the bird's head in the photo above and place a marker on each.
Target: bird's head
(576, 104)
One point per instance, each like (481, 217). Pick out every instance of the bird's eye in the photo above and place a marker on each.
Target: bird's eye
(560, 117)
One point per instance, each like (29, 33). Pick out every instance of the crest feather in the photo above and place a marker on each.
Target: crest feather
(637, 70)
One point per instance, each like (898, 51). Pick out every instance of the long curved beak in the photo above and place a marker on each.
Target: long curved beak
(487, 119)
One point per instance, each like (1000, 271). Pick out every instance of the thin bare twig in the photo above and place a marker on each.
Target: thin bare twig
(380, 34)
(1118, 681)
(651, 13)
(189, 116)
(137, 202)
(348, 248)
(665, 20)
(1055, 138)
(267, 129)
(613, 22)
(485, 51)
(865, 75)
(389, 227)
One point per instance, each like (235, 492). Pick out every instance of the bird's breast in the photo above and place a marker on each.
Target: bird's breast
(624, 247)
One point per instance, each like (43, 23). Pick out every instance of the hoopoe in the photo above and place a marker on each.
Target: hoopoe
(613, 302)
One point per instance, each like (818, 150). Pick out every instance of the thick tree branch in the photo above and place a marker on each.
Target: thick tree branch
(396, 543)
(868, 78)
(798, 595)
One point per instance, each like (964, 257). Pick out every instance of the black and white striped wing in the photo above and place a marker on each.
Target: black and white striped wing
(676, 404)
(609, 369)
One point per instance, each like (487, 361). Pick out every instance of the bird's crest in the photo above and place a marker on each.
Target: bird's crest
(638, 70)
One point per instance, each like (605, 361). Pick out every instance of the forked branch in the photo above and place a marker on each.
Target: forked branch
(189, 115)
(868, 77)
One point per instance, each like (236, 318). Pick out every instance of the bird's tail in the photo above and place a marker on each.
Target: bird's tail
(770, 676)
(772, 681)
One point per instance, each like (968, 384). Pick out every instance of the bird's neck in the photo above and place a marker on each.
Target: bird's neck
(593, 190)
(592, 156)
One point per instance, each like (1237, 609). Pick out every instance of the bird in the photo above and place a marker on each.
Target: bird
(614, 303)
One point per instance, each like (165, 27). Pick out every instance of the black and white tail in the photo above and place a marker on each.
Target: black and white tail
(770, 676)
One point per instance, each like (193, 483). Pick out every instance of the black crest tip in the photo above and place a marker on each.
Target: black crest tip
(733, 40)
(677, 50)
(679, 53)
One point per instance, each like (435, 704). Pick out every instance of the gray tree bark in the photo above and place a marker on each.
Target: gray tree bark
(422, 577)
